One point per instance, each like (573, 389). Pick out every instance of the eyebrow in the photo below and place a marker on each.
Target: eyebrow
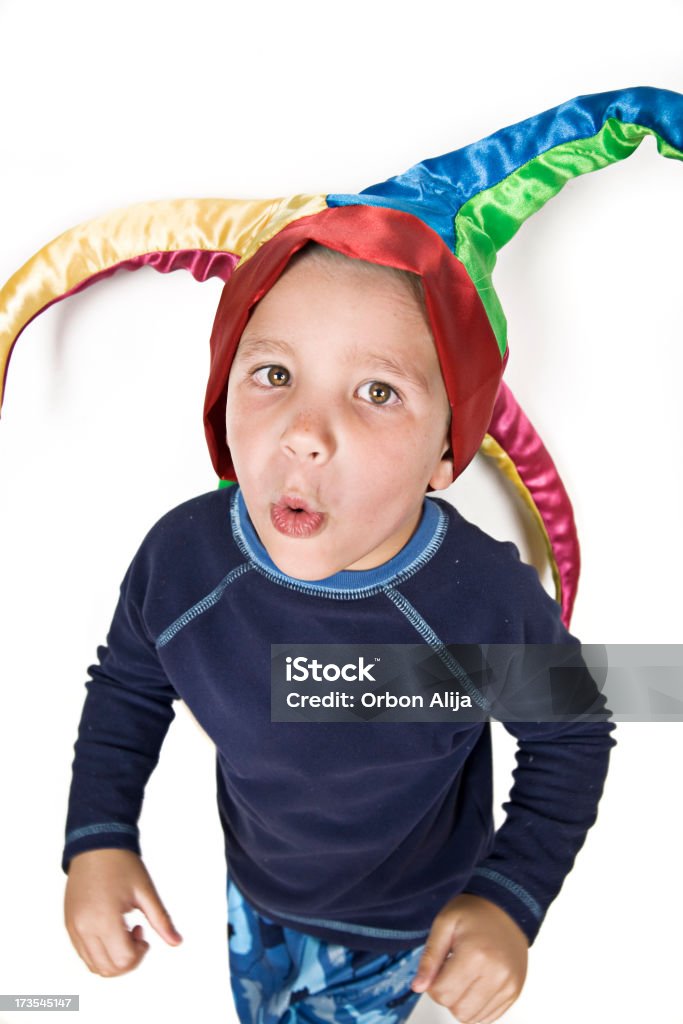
(255, 345)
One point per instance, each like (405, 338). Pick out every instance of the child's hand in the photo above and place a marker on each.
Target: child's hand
(475, 960)
(101, 887)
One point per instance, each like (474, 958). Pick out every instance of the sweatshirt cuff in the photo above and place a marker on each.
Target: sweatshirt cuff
(107, 835)
(511, 897)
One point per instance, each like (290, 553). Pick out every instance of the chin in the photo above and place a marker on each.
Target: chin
(301, 568)
(298, 573)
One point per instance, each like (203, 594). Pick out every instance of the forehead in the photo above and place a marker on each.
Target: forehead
(351, 299)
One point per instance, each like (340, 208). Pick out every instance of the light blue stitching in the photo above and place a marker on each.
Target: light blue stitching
(338, 595)
(201, 606)
(93, 830)
(442, 652)
(357, 929)
(513, 887)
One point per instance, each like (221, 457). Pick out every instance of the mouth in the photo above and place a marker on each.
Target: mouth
(295, 517)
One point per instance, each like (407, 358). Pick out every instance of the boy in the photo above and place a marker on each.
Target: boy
(358, 854)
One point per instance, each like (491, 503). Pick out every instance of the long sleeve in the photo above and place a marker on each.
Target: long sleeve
(367, 865)
(126, 714)
(559, 778)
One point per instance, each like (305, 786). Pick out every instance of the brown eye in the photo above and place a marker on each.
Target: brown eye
(380, 393)
(275, 375)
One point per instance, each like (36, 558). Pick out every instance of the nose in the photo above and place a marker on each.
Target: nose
(308, 436)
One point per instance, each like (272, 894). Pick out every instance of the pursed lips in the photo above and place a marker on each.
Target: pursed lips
(292, 501)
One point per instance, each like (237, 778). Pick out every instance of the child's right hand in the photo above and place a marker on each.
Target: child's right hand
(102, 886)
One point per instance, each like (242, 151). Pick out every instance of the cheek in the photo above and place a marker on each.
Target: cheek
(250, 435)
(418, 446)
(399, 446)
(390, 461)
(231, 413)
(238, 414)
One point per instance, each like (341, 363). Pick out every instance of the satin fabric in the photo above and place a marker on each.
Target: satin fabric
(441, 185)
(472, 201)
(470, 362)
(512, 442)
(476, 198)
(489, 220)
(145, 234)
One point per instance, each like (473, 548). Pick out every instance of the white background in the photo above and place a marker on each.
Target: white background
(106, 105)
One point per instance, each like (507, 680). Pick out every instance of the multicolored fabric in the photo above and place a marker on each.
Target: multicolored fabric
(282, 976)
(444, 218)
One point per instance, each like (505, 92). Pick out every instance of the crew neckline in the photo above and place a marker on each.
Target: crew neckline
(424, 542)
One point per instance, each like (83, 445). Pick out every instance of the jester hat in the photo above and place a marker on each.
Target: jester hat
(444, 219)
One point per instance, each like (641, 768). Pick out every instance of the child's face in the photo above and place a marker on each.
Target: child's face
(311, 414)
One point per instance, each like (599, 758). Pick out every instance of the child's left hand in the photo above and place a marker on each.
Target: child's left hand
(475, 960)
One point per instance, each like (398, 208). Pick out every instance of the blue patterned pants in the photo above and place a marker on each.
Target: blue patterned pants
(281, 976)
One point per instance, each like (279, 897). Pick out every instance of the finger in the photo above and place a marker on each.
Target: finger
(125, 949)
(149, 903)
(82, 951)
(78, 941)
(436, 951)
(477, 1000)
(498, 991)
(455, 987)
(91, 953)
(100, 957)
(493, 1014)
(138, 937)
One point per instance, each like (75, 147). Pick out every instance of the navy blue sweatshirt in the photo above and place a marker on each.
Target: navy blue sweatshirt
(356, 833)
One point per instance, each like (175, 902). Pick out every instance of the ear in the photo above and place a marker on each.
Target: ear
(442, 476)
